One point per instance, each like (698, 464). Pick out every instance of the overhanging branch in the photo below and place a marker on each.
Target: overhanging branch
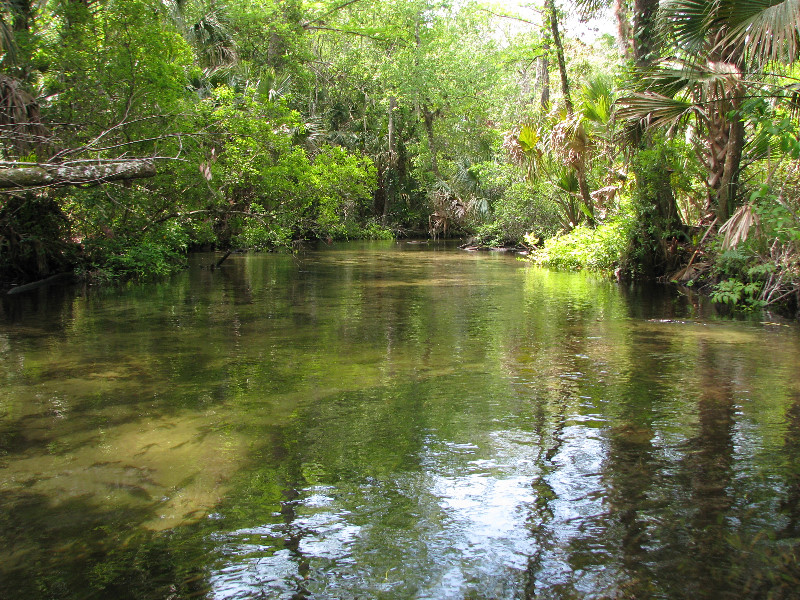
(26, 175)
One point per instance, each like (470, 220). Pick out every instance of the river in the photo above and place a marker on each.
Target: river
(394, 421)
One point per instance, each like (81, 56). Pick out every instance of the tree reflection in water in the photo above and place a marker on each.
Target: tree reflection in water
(379, 422)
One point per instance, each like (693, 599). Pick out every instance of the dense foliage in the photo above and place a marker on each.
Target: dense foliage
(672, 151)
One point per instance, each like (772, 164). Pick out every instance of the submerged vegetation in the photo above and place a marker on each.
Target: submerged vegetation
(132, 132)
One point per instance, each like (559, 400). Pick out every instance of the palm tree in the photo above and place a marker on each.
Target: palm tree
(754, 31)
(721, 47)
(564, 146)
(209, 34)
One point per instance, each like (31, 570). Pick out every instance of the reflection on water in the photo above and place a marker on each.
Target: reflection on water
(394, 421)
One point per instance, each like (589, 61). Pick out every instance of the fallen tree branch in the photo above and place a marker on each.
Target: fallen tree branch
(218, 264)
(685, 273)
(58, 278)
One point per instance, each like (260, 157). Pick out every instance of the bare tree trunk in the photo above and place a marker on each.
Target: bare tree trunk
(542, 82)
(525, 83)
(391, 161)
(392, 107)
(13, 176)
(428, 117)
(562, 64)
(583, 186)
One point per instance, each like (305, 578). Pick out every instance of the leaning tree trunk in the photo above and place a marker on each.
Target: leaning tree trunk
(16, 177)
(583, 184)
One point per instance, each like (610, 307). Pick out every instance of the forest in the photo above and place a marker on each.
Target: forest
(135, 131)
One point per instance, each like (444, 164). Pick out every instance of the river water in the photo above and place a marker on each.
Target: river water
(394, 421)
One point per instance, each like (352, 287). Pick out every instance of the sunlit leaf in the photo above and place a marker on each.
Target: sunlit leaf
(528, 138)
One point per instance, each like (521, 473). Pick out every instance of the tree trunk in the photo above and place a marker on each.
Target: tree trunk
(13, 176)
(728, 140)
(624, 30)
(645, 38)
(729, 182)
(391, 161)
(657, 210)
(392, 107)
(583, 186)
(428, 117)
(541, 85)
(562, 64)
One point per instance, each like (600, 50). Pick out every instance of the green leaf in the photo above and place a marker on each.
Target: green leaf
(528, 138)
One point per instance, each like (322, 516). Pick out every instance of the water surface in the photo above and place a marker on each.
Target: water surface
(394, 421)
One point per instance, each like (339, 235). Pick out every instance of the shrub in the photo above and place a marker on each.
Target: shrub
(600, 249)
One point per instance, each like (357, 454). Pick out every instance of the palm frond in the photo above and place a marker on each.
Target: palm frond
(766, 30)
(591, 8)
(650, 109)
(211, 36)
(737, 228)
(466, 176)
(689, 22)
(598, 100)
(8, 43)
(20, 116)
(673, 77)
(566, 180)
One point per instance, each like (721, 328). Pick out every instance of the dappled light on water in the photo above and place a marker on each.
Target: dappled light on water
(395, 421)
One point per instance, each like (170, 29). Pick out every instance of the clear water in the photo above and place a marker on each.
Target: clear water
(394, 421)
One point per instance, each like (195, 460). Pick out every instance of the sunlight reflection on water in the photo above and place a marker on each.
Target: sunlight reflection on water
(377, 422)
(471, 532)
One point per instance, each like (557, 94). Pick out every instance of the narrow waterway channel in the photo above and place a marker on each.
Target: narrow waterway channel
(394, 421)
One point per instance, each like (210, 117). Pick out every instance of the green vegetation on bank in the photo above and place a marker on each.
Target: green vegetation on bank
(133, 132)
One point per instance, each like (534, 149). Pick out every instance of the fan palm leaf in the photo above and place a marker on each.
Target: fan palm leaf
(737, 228)
(656, 110)
(677, 90)
(766, 30)
(689, 22)
(590, 8)
(598, 100)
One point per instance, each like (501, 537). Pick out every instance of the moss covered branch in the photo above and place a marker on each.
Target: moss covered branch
(16, 176)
